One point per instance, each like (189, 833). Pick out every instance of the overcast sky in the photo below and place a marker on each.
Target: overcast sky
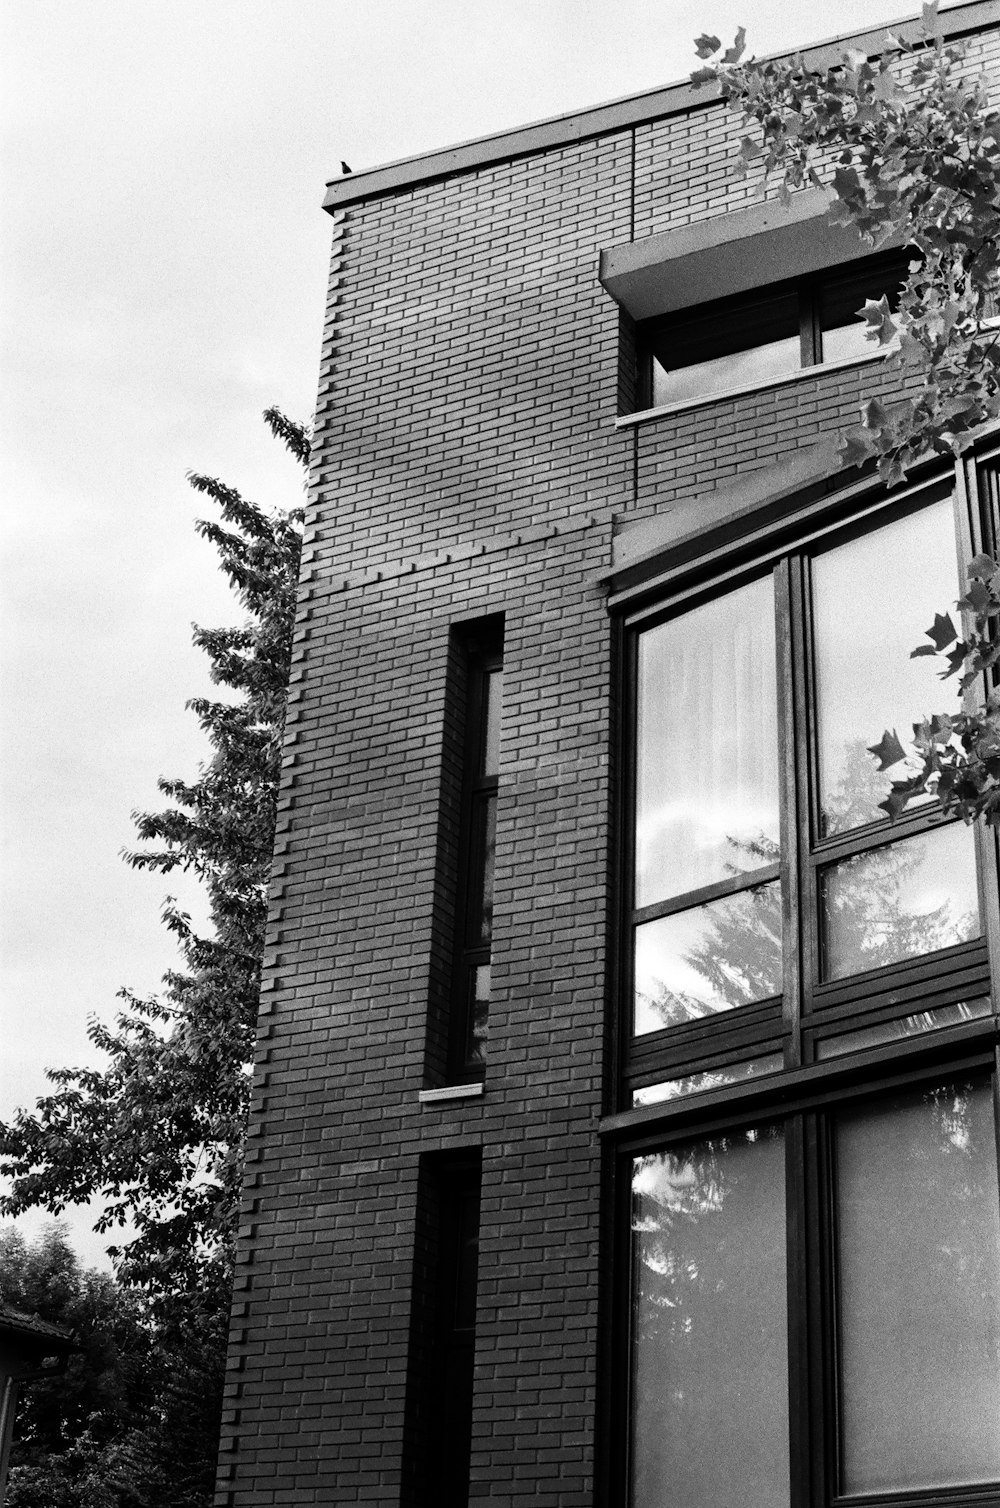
(163, 267)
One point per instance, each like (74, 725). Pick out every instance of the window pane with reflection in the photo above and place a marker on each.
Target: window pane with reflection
(919, 1278)
(899, 901)
(873, 599)
(711, 958)
(706, 764)
(709, 1349)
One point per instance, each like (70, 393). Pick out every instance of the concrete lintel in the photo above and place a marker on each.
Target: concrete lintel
(748, 248)
(449, 1092)
(644, 541)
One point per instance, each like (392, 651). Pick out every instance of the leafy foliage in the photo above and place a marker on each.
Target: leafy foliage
(909, 145)
(157, 1135)
(956, 758)
(131, 1422)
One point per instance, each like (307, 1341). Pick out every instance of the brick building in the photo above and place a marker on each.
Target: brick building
(624, 1130)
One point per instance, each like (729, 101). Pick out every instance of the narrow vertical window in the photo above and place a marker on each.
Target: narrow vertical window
(442, 1343)
(477, 850)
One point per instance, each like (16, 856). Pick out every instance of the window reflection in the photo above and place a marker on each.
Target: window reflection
(902, 1027)
(899, 901)
(919, 1279)
(493, 698)
(873, 599)
(478, 1013)
(709, 1364)
(709, 1078)
(706, 766)
(711, 958)
(720, 374)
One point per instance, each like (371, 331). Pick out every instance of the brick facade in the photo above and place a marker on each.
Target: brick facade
(467, 463)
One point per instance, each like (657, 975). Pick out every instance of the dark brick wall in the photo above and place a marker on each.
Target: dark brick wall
(466, 463)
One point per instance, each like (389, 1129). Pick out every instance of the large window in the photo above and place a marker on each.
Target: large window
(754, 338)
(773, 906)
(808, 1100)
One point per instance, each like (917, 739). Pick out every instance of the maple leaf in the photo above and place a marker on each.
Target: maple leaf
(856, 448)
(739, 47)
(896, 800)
(888, 751)
(879, 320)
(942, 631)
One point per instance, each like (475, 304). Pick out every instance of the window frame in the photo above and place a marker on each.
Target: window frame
(796, 1020)
(484, 658)
(807, 1092)
(700, 326)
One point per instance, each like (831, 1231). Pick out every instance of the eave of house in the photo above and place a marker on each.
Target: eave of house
(600, 120)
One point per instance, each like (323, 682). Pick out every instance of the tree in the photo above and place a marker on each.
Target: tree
(157, 1134)
(68, 1423)
(909, 146)
(124, 1426)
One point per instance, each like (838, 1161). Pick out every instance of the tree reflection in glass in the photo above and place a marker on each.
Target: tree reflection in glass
(919, 1291)
(868, 613)
(709, 1353)
(711, 958)
(900, 901)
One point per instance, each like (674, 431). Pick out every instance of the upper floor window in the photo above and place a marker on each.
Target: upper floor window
(477, 850)
(753, 338)
(766, 880)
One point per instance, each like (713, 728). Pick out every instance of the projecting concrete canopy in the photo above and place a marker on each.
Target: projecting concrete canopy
(745, 249)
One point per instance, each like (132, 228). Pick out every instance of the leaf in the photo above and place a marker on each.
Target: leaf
(875, 415)
(888, 751)
(739, 47)
(856, 447)
(942, 631)
(887, 90)
(895, 803)
(981, 568)
(703, 76)
(855, 59)
(879, 320)
(929, 19)
(705, 45)
(749, 150)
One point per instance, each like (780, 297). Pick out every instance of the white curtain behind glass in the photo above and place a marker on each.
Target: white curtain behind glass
(706, 759)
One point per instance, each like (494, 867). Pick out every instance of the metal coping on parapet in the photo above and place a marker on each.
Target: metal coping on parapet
(967, 16)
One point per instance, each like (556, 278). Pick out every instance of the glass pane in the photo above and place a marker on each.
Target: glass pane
(919, 1291)
(711, 958)
(479, 1005)
(709, 1405)
(899, 901)
(706, 759)
(484, 823)
(841, 298)
(850, 343)
(873, 599)
(904, 1026)
(710, 1078)
(493, 706)
(703, 379)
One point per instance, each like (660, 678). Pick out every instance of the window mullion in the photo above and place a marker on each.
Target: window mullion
(802, 800)
(976, 530)
(790, 825)
(809, 332)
